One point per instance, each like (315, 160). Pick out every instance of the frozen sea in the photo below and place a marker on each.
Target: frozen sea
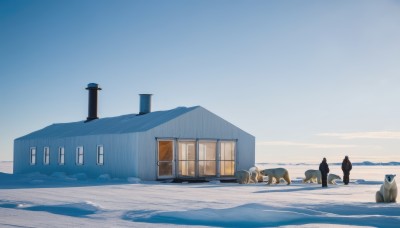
(37, 200)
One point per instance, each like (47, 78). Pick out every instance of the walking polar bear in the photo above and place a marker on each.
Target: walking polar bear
(388, 191)
(243, 176)
(276, 174)
(314, 176)
(256, 175)
(251, 176)
(332, 177)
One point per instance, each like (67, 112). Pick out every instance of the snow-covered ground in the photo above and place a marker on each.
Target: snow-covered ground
(37, 200)
(6, 166)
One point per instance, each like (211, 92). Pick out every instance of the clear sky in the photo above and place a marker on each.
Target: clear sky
(309, 79)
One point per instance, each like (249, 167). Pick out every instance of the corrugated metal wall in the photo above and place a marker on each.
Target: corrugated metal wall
(120, 157)
(197, 124)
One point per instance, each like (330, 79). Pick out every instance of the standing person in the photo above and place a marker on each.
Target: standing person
(324, 169)
(346, 167)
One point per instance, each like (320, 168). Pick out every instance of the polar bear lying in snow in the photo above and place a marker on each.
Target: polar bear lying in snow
(388, 191)
(276, 174)
(314, 176)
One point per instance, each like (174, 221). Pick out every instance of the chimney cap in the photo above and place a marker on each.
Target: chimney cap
(93, 86)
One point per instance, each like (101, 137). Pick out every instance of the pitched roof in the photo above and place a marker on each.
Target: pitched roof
(110, 125)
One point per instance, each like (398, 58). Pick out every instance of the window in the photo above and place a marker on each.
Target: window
(227, 159)
(207, 158)
(46, 155)
(33, 155)
(79, 155)
(100, 155)
(187, 158)
(61, 156)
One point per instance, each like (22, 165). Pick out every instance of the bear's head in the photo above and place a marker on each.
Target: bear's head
(389, 178)
(334, 176)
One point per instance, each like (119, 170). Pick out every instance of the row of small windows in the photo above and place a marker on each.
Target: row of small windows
(61, 155)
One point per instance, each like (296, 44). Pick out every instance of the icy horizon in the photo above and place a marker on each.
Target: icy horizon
(363, 163)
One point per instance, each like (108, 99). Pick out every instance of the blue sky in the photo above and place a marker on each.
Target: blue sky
(309, 79)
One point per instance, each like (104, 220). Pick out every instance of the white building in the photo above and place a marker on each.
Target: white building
(179, 143)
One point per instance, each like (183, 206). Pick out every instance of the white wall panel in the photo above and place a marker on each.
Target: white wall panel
(119, 155)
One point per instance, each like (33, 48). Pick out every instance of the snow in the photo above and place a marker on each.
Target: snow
(133, 180)
(58, 200)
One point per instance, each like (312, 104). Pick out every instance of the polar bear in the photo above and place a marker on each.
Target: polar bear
(276, 173)
(253, 175)
(388, 191)
(243, 176)
(312, 176)
(332, 177)
(256, 175)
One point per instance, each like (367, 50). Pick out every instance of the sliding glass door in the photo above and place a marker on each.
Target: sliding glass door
(187, 158)
(227, 158)
(207, 158)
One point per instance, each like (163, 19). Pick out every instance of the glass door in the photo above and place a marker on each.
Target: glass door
(207, 158)
(227, 158)
(187, 158)
(165, 163)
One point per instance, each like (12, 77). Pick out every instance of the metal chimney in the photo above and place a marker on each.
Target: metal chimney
(92, 108)
(145, 103)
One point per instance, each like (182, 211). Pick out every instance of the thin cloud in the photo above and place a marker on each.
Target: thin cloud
(365, 135)
(305, 145)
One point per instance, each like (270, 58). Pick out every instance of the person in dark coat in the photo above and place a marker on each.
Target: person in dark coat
(346, 167)
(324, 169)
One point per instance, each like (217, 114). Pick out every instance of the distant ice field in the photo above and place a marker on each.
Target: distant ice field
(372, 172)
(6, 167)
(60, 200)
